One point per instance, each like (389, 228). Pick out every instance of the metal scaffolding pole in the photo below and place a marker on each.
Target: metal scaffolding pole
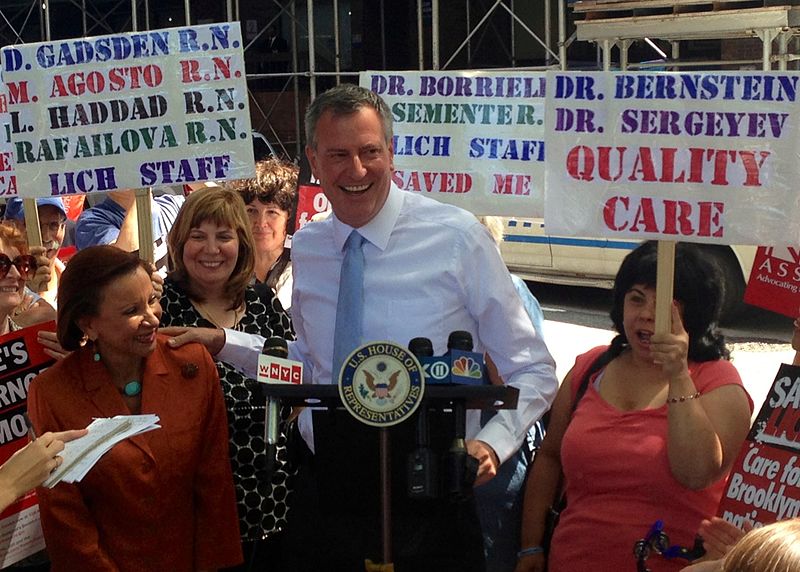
(562, 34)
(46, 9)
(134, 17)
(513, 38)
(337, 56)
(312, 80)
(420, 40)
(469, 42)
(298, 121)
(514, 19)
(435, 34)
(548, 33)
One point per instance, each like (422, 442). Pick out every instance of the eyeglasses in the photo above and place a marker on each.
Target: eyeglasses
(24, 263)
(53, 227)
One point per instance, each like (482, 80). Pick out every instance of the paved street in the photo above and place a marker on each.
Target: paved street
(576, 319)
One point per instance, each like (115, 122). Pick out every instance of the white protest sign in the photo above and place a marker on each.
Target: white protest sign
(8, 181)
(163, 107)
(697, 156)
(473, 139)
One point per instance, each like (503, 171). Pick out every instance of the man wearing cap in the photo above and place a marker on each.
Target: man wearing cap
(52, 224)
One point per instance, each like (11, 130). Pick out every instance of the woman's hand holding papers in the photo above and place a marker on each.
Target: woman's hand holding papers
(32, 464)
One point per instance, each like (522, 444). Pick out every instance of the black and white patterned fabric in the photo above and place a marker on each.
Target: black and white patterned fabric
(262, 505)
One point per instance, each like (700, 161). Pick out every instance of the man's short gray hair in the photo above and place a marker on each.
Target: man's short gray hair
(345, 99)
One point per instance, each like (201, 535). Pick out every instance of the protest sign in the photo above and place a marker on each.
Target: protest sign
(162, 107)
(696, 156)
(21, 359)
(775, 280)
(8, 181)
(310, 201)
(474, 139)
(764, 484)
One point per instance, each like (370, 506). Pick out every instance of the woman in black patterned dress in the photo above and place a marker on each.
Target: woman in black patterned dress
(211, 251)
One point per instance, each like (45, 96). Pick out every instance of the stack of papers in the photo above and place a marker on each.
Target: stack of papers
(81, 454)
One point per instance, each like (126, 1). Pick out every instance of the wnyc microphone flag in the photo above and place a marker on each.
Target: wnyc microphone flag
(273, 369)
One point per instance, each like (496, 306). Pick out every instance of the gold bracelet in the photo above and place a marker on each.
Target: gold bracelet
(682, 398)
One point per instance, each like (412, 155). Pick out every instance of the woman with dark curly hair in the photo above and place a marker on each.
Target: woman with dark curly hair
(270, 198)
(659, 420)
(212, 252)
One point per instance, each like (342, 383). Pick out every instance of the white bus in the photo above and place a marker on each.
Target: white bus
(536, 256)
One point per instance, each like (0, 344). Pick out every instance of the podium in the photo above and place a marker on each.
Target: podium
(363, 459)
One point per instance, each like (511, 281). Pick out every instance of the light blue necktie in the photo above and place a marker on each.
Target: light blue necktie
(350, 306)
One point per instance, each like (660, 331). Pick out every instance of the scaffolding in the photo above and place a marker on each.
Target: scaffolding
(321, 38)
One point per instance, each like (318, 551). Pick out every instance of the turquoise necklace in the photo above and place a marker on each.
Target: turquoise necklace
(132, 388)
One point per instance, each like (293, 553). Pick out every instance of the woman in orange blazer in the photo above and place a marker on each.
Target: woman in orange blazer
(159, 501)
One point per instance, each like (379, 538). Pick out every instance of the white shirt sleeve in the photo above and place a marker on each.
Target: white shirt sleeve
(507, 335)
(241, 350)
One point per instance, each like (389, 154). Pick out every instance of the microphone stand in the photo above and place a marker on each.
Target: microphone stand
(386, 494)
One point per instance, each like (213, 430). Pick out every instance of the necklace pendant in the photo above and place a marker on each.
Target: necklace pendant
(132, 388)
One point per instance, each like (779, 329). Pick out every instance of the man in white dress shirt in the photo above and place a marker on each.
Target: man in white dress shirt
(429, 269)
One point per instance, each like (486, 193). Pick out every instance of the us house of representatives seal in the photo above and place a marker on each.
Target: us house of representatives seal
(381, 384)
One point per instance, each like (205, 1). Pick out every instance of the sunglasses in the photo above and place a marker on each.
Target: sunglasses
(24, 263)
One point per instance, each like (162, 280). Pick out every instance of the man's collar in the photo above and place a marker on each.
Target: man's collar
(379, 229)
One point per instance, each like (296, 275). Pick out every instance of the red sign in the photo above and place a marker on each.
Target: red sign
(310, 201)
(764, 484)
(21, 359)
(775, 280)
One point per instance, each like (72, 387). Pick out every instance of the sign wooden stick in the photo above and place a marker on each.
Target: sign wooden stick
(144, 218)
(665, 275)
(32, 222)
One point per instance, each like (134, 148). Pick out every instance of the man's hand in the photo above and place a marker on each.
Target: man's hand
(489, 463)
(29, 312)
(41, 278)
(212, 339)
(126, 199)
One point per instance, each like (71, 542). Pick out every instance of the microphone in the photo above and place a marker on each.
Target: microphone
(461, 468)
(466, 366)
(421, 347)
(422, 466)
(277, 348)
(459, 340)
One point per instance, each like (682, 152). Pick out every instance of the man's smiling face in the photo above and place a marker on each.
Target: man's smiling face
(353, 163)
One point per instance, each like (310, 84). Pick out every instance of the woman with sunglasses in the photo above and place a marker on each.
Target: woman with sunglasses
(271, 199)
(161, 500)
(16, 268)
(212, 254)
